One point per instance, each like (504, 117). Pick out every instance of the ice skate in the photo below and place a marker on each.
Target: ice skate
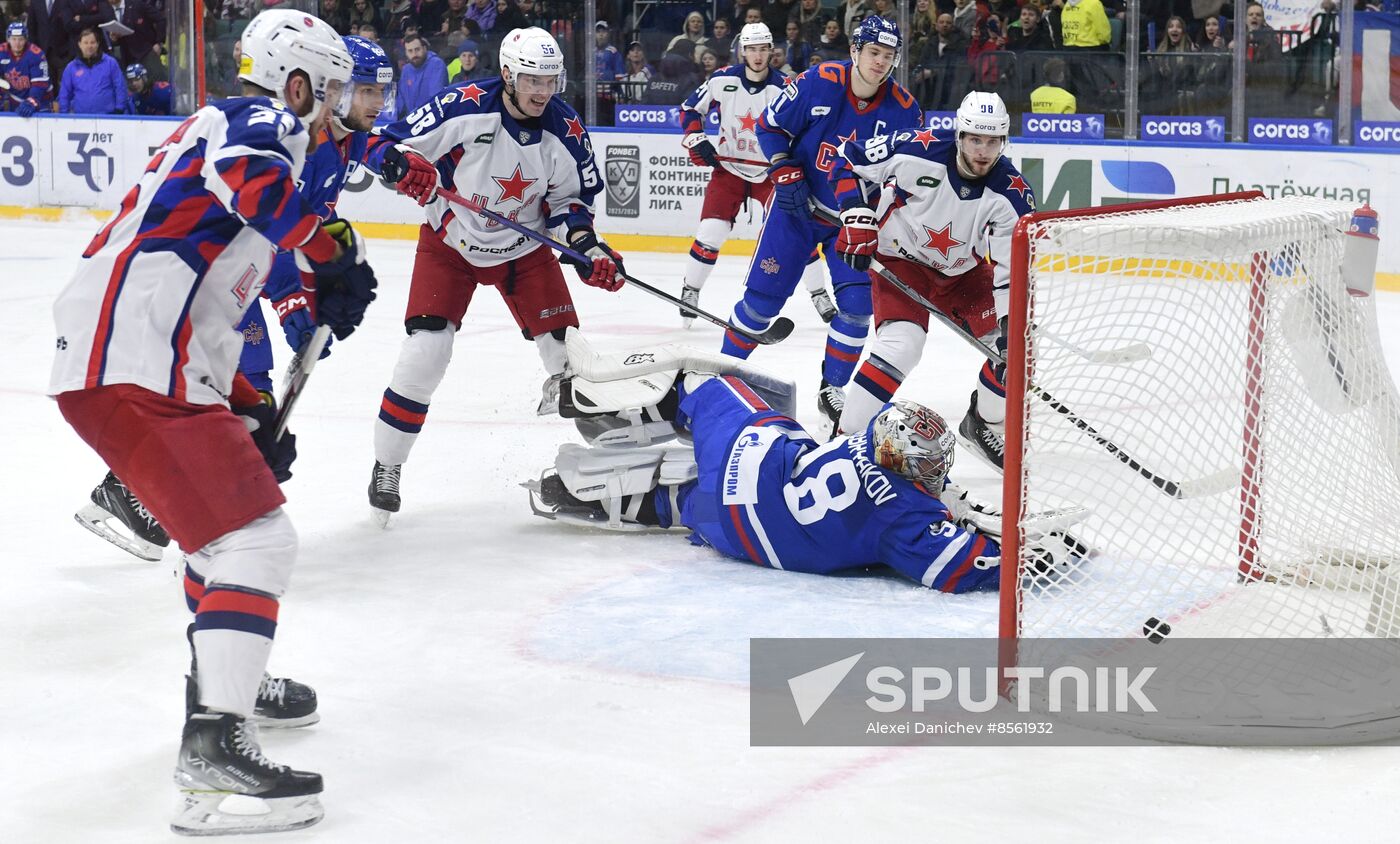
(228, 787)
(826, 309)
(690, 296)
(983, 438)
(284, 703)
(384, 491)
(140, 534)
(549, 396)
(831, 400)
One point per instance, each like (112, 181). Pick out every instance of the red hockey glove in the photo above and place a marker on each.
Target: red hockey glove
(605, 271)
(414, 175)
(859, 236)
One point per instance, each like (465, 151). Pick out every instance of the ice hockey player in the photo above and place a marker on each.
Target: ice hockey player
(830, 103)
(145, 372)
(740, 93)
(147, 98)
(514, 146)
(956, 201)
(759, 488)
(25, 69)
(113, 512)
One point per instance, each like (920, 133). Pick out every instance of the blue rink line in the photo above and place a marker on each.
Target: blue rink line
(693, 619)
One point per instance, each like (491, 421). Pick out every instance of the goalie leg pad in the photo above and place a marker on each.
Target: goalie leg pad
(619, 480)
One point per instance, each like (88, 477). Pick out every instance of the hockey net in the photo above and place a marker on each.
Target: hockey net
(1196, 376)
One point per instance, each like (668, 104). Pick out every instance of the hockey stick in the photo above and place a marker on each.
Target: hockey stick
(298, 371)
(1193, 488)
(776, 333)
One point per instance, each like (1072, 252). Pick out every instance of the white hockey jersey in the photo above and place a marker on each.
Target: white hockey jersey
(159, 293)
(928, 212)
(740, 103)
(540, 173)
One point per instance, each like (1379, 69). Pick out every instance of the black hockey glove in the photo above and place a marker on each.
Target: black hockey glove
(344, 285)
(261, 419)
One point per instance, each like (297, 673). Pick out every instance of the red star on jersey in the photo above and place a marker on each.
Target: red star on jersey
(472, 92)
(925, 137)
(575, 128)
(850, 137)
(514, 186)
(941, 240)
(1019, 184)
(747, 122)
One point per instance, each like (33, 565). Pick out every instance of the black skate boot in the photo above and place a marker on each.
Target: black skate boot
(283, 703)
(982, 437)
(826, 309)
(228, 787)
(384, 491)
(690, 296)
(143, 535)
(831, 401)
(549, 497)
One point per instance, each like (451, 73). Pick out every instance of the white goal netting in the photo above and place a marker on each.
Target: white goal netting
(1201, 382)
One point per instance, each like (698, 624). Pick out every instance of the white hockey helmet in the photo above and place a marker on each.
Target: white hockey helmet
(983, 113)
(913, 441)
(280, 41)
(533, 52)
(755, 33)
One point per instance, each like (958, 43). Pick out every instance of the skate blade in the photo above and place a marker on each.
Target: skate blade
(94, 518)
(286, 723)
(222, 813)
(381, 517)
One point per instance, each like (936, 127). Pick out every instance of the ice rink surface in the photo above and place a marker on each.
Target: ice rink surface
(487, 675)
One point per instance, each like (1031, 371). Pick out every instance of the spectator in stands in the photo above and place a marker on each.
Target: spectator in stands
(1083, 25)
(1029, 32)
(364, 12)
(1174, 38)
(709, 62)
(799, 52)
(368, 32)
(84, 14)
(1212, 40)
(886, 10)
(454, 17)
(1052, 97)
(146, 20)
(776, 13)
(694, 32)
(508, 18)
(810, 19)
(753, 15)
(989, 38)
(233, 86)
(93, 83)
(852, 12)
(1168, 77)
(26, 69)
(678, 77)
(722, 40)
(337, 14)
(637, 73)
(1202, 9)
(834, 46)
(46, 28)
(468, 64)
(607, 61)
(153, 99)
(778, 59)
(423, 76)
(429, 14)
(483, 12)
(965, 17)
(1263, 43)
(921, 25)
(398, 13)
(944, 53)
(533, 14)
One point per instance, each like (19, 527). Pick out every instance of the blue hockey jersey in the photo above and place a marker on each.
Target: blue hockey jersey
(155, 101)
(818, 112)
(27, 74)
(768, 493)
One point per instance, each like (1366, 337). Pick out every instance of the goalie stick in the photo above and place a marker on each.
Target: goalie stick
(1191, 488)
(776, 333)
(298, 372)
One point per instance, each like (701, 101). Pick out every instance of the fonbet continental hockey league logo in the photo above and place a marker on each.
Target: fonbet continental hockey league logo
(623, 169)
(94, 164)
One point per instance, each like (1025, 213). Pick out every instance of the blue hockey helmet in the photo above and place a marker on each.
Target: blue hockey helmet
(17, 28)
(877, 30)
(135, 72)
(373, 68)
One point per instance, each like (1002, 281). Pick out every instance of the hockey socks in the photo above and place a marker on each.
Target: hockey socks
(894, 353)
(754, 313)
(704, 251)
(403, 410)
(845, 338)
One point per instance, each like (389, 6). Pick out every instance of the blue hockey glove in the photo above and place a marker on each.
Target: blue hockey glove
(344, 285)
(260, 420)
(26, 108)
(790, 189)
(294, 312)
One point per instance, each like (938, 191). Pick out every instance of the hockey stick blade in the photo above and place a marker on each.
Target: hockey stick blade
(298, 371)
(1131, 353)
(775, 333)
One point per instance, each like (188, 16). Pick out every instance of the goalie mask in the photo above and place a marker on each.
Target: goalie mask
(914, 442)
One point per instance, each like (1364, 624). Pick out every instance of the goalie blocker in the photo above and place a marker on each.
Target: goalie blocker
(756, 487)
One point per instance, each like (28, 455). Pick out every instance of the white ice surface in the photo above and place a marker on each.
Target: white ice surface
(487, 675)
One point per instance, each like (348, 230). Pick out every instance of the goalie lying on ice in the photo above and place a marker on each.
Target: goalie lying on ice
(757, 487)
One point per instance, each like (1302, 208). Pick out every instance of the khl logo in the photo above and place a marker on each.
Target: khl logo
(96, 167)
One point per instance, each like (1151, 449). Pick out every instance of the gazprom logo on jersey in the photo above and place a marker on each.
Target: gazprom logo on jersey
(1279, 130)
(943, 121)
(1199, 129)
(1087, 127)
(1373, 134)
(654, 117)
